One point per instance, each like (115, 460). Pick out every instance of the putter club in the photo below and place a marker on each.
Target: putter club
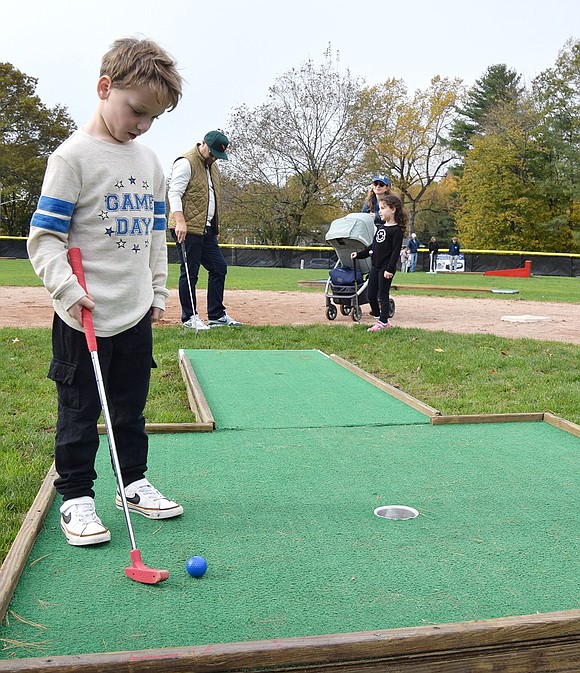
(193, 306)
(137, 571)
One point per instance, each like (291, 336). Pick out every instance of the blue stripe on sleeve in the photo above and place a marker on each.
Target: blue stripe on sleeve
(159, 224)
(44, 221)
(159, 207)
(56, 206)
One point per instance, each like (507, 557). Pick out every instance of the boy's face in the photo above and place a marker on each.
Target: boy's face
(127, 113)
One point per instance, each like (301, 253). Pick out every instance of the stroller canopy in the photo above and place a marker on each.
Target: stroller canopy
(349, 234)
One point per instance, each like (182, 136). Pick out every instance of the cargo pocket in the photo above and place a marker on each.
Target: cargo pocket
(63, 374)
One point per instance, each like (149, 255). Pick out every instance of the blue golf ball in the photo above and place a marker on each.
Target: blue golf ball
(196, 566)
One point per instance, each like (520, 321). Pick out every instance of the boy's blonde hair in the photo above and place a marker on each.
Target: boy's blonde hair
(133, 62)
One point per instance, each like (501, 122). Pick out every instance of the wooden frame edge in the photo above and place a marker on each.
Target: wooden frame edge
(537, 642)
(25, 538)
(197, 400)
(391, 390)
(156, 428)
(562, 423)
(487, 418)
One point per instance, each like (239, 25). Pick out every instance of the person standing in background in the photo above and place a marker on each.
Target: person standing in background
(384, 251)
(454, 250)
(381, 186)
(194, 199)
(413, 245)
(433, 252)
(404, 259)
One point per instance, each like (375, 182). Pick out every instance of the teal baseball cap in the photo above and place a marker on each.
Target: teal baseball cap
(217, 143)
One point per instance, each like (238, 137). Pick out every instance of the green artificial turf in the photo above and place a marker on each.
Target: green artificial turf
(291, 389)
(284, 516)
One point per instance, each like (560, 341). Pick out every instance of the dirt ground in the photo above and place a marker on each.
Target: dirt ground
(31, 307)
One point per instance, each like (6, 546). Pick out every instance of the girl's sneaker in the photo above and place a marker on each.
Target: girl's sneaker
(379, 326)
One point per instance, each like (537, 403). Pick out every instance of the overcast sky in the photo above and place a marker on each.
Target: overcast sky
(230, 52)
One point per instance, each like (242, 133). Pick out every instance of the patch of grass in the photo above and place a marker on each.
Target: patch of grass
(18, 272)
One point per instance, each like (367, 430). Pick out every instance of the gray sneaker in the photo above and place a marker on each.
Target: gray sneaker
(145, 499)
(224, 321)
(80, 524)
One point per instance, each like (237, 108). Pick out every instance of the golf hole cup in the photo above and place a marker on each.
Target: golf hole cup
(399, 512)
(196, 566)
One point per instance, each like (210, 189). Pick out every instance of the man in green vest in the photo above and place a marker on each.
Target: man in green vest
(194, 197)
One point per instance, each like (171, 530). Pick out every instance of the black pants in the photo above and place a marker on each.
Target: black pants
(378, 291)
(126, 361)
(202, 251)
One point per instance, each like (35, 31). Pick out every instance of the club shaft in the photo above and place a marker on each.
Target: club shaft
(112, 444)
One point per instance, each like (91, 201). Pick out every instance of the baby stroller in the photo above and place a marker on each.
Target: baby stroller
(346, 286)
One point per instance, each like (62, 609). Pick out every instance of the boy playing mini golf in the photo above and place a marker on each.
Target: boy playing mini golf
(104, 192)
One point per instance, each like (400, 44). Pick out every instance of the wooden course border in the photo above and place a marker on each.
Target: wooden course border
(391, 390)
(538, 643)
(449, 288)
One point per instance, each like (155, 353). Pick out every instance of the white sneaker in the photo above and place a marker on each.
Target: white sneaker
(195, 322)
(223, 321)
(80, 524)
(145, 499)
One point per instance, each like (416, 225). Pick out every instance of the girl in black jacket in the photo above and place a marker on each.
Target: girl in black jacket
(384, 252)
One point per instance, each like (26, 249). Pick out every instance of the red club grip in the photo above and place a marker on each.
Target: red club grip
(76, 262)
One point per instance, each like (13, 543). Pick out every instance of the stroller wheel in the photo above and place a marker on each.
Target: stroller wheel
(345, 310)
(331, 311)
(357, 314)
(391, 307)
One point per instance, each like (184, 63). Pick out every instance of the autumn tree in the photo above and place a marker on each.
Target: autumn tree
(405, 135)
(520, 188)
(556, 93)
(296, 155)
(29, 132)
(436, 215)
(501, 206)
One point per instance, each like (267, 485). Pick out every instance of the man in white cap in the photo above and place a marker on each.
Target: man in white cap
(194, 197)
(413, 245)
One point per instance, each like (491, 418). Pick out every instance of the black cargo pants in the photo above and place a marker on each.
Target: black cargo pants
(126, 361)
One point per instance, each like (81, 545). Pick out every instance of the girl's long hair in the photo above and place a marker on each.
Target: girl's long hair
(401, 216)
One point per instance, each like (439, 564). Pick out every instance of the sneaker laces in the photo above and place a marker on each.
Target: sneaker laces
(86, 513)
(150, 491)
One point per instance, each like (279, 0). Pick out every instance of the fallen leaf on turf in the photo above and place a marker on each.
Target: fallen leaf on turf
(439, 350)
(418, 368)
(16, 340)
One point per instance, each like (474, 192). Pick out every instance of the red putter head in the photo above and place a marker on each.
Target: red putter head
(141, 573)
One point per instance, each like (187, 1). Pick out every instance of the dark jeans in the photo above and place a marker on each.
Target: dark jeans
(378, 293)
(202, 251)
(126, 361)
(433, 262)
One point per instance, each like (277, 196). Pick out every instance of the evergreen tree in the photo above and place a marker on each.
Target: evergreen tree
(498, 86)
